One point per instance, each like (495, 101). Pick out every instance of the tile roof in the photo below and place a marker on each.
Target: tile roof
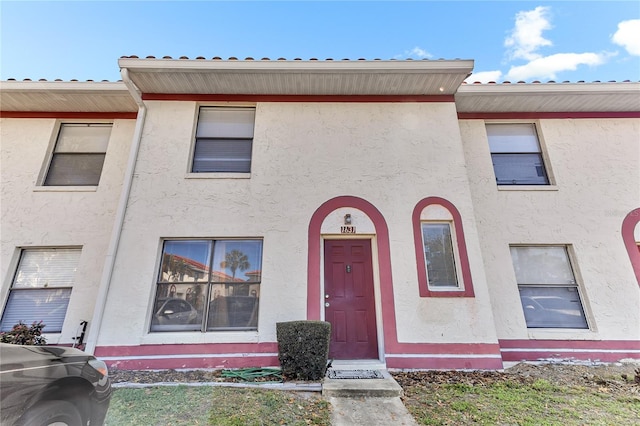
(233, 58)
(348, 77)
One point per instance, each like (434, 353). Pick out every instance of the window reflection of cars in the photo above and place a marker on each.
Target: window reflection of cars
(175, 311)
(233, 311)
(50, 385)
(552, 312)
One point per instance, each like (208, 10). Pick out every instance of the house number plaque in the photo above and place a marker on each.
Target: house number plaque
(347, 229)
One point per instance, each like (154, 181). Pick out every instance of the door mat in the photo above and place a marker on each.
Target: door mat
(354, 374)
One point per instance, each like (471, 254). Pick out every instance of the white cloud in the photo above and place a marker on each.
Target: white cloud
(526, 38)
(484, 76)
(628, 36)
(415, 53)
(548, 66)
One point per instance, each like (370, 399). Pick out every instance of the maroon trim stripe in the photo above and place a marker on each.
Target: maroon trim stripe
(174, 363)
(628, 227)
(571, 344)
(293, 98)
(445, 363)
(545, 115)
(65, 114)
(186, 349)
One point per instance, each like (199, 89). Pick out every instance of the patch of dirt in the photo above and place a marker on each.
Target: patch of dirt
(618, 376)
(180, 376)
(169, 376)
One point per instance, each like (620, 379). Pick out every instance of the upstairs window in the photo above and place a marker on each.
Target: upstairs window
(548, 289)
(224, 140)
(41, 288)
(78, 155)
(516, 155)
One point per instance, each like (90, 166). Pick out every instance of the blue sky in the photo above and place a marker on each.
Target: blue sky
(509, 41)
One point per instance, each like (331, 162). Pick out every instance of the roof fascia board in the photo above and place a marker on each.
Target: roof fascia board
(186, 65)
(550, 89)
(63, 86)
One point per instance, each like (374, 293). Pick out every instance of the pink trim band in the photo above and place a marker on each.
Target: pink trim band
(628, 227)
(546, 115)
(203, 97)
(66, 114)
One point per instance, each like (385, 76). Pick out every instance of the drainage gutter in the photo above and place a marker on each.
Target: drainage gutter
(107, 270)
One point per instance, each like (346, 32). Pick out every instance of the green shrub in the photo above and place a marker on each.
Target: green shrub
(303, 348)
(22, 334)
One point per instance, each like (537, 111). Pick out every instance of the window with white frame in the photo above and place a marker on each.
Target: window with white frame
(41, 288)
(516, 154)
(224, 140)
(208, 285)
(439, 254)
(548, 289)
(78, 155)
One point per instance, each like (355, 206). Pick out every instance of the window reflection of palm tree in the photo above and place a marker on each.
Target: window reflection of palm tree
(234, 260)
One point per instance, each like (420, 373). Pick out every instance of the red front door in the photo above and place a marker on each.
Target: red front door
(349, 299)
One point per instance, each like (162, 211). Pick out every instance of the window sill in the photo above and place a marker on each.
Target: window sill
(561, 334)
(447, 293)
(195, 337)
(52, 338)
(218, 176)
(65, 189)
(527, 188)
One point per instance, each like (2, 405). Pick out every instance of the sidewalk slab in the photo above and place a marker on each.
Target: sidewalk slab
(370, 411)
(386, 387)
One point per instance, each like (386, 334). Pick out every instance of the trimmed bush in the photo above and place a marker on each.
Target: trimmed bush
(22, 334)
(303, 349)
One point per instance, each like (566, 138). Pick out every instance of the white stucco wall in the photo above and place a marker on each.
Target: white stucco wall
(35, 216)
(595, 168)
(392, 155)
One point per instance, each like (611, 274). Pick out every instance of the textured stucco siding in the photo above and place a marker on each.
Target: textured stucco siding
(595, 169)
(35, 216)
(392, 155)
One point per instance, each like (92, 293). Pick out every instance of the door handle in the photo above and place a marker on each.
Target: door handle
(326, 296)
(348, 268)
(326, 305)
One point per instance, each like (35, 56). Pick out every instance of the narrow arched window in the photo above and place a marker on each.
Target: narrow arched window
(441, 253)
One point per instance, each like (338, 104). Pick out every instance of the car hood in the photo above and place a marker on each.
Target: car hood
(18, 356)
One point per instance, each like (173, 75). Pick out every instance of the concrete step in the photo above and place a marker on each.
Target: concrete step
(386, 387)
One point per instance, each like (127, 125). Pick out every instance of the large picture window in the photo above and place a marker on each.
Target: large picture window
(78, 155)
(208, 285)
(41, 288)
(516, 155)
(548, 289)
(224, 140)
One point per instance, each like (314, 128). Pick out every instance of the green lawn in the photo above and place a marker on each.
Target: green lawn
(517, 403)
(447, 398)
(205, 405)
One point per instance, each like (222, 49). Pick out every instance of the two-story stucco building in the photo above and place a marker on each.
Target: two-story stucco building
(186, 210)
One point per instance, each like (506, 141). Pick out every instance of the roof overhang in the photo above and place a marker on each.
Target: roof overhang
(66, 96)
(549, 97)
(342, 78)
